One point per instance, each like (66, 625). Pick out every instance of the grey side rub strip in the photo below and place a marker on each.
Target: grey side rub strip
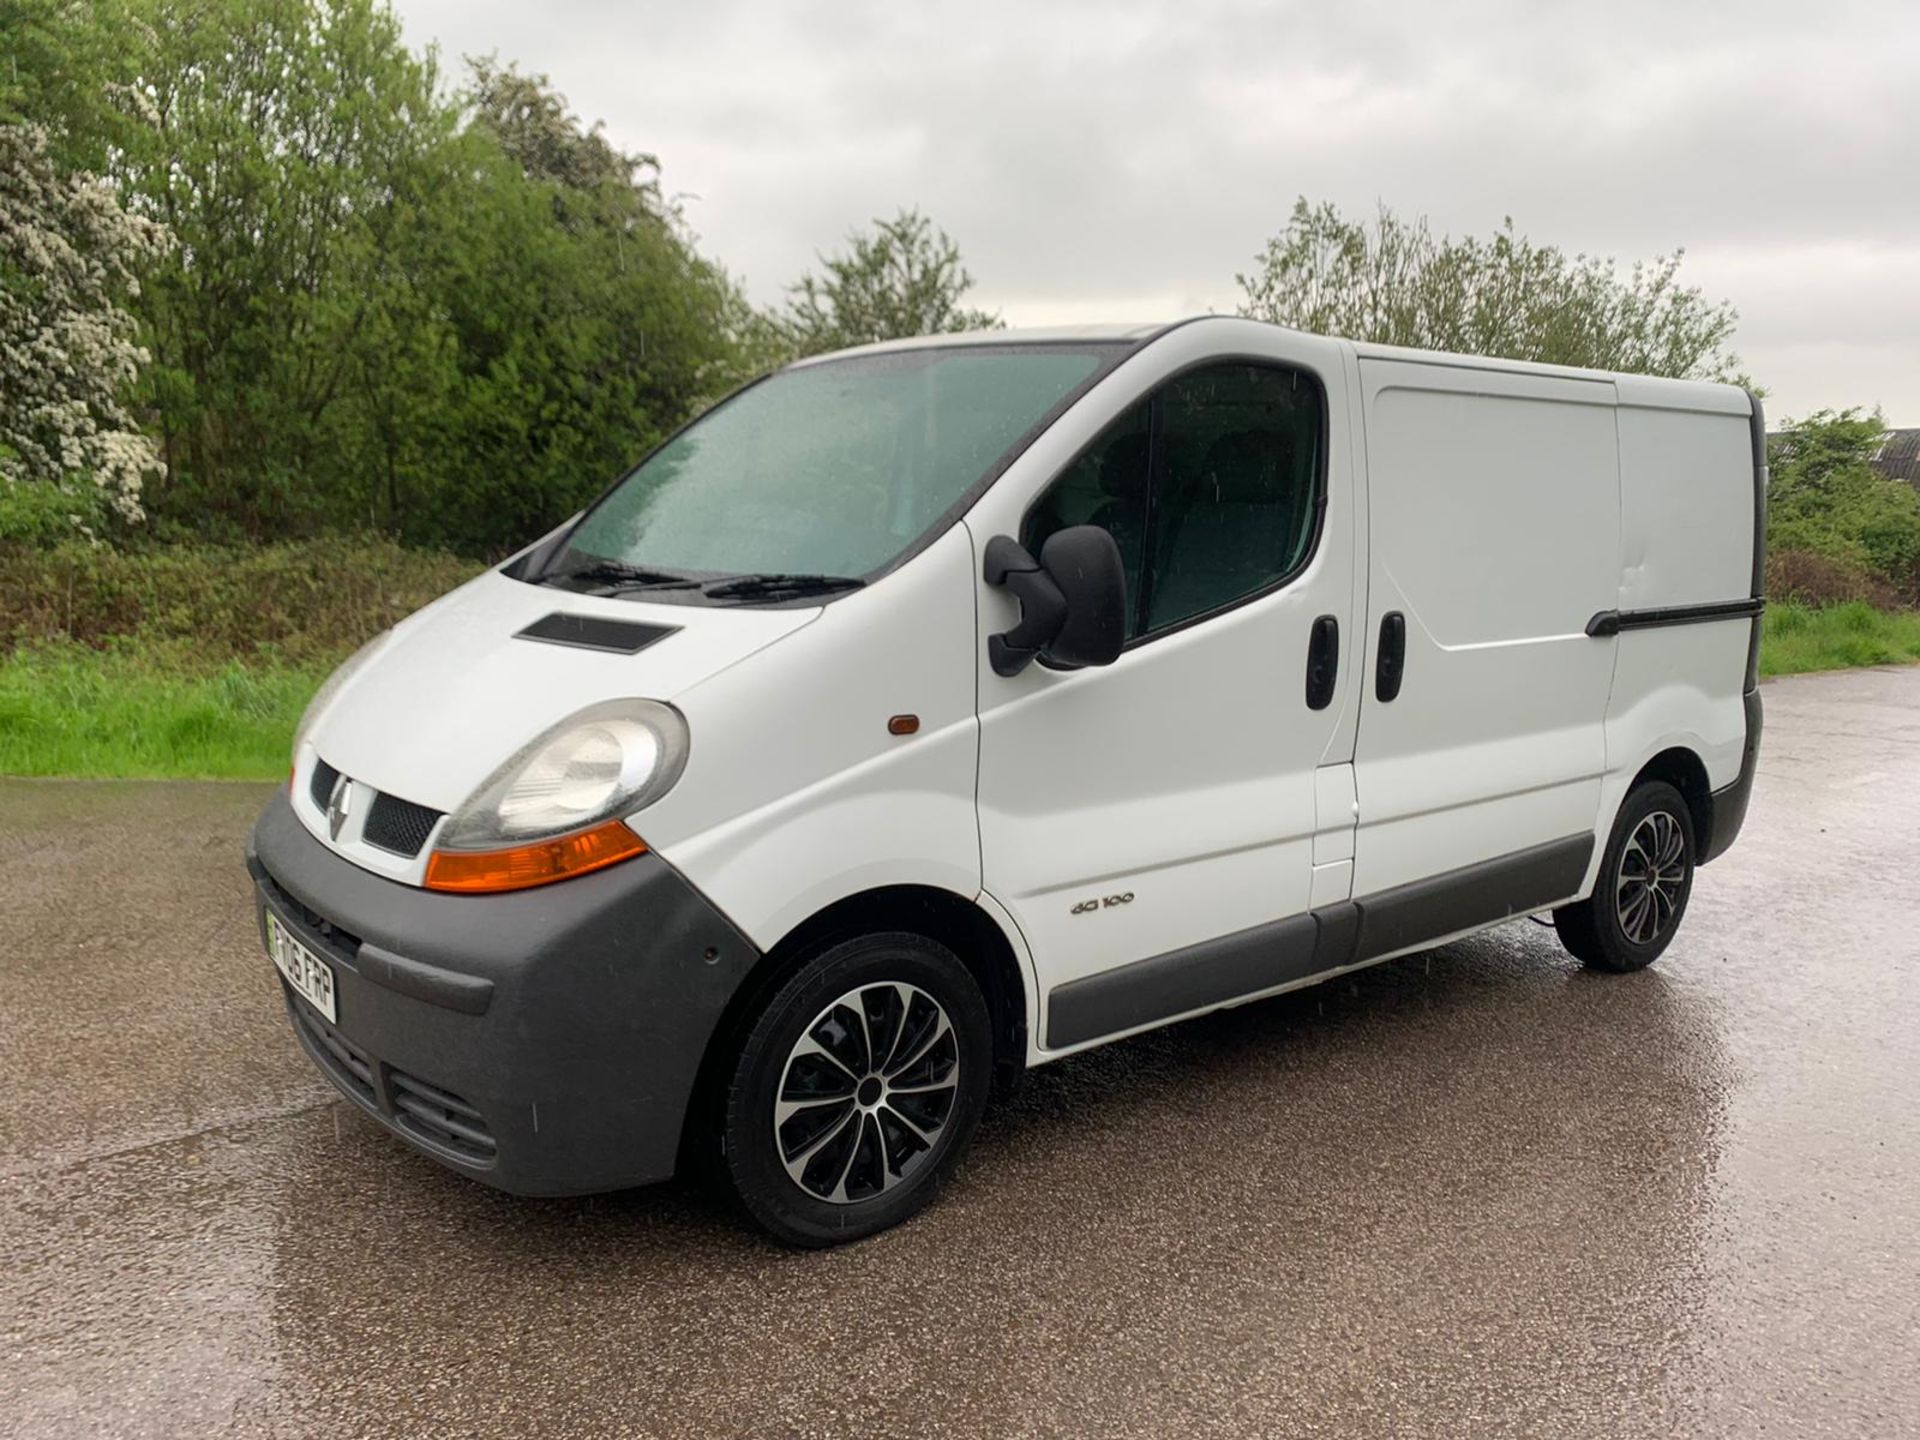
(1210, 973)
(1498, 889)
(1215, 972)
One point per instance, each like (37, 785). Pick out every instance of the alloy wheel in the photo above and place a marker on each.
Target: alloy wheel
(866, 1092)
(1653, 876)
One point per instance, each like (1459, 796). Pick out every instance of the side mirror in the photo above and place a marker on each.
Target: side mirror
(1073, 600)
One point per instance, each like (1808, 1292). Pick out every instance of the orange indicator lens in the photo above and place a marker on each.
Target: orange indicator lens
(480, 872)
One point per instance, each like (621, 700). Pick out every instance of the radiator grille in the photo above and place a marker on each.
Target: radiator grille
(321, 786)
(399, 826)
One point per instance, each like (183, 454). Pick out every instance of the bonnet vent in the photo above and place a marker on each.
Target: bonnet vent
(596, 632)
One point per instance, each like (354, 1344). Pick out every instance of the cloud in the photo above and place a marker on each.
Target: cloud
(1128, 158)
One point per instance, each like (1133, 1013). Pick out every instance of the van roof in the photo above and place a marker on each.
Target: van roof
(1650, 391)
(1642, 390)
(1029, 335)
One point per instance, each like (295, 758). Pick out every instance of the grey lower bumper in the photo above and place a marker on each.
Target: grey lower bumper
(545, 1042)
(1730, 804)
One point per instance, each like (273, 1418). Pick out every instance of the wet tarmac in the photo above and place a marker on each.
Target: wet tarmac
(1474, 1193)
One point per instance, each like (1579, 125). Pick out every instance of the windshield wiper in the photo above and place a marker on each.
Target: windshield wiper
(760, 587)
(616, 576)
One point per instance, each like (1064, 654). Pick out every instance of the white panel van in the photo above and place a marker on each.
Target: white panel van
(934, 710)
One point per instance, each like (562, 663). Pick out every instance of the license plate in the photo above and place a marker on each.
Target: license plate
(310, 976)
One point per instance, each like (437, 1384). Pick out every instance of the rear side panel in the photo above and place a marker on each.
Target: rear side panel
(1688, 545)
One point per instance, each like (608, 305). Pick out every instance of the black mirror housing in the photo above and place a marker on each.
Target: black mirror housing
(1073, 600)
(1084, 561)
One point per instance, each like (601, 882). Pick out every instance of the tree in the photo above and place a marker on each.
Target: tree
(538, 133)
(584, 323)
(450, 316)
(1396, 283)
(1823, 496)
(294, 142)
(65, 66)
(902, 278)
(71, 451)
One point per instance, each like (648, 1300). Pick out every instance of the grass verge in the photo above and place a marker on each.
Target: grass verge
(68, 710)
(1798, 638)
(154, 710)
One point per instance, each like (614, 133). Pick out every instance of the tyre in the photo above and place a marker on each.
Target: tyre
(1641, 893)
(856, 1089)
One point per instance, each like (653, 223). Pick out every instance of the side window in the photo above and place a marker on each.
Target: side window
(1106, 486)
(1209, 487)
(1233, 501)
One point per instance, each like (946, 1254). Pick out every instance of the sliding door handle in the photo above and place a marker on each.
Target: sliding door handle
(1391, 664)
(1323, 662)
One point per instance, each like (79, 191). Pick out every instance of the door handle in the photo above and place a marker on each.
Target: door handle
(1323, 662)
(1391, 663)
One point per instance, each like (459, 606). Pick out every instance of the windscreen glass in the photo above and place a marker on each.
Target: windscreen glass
(835, 468)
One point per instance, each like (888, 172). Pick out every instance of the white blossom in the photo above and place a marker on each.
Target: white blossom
(69, 254)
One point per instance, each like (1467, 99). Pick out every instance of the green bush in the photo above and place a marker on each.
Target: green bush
(303, 606)
(33, 513)
(1826, 501)
(1812, 578)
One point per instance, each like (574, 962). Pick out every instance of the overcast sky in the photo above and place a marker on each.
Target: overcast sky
(1122, 160)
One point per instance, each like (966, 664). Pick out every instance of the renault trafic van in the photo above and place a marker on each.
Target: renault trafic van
(933, 710)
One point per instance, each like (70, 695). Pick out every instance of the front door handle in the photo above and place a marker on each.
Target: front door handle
(1323, 662)
(1391, 664)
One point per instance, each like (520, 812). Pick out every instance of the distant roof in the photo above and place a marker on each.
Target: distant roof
(1898, 457)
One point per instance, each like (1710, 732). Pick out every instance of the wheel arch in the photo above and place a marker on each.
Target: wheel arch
(952, 920)
(1683, 769)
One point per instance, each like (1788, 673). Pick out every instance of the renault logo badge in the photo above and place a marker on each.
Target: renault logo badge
(339, 805)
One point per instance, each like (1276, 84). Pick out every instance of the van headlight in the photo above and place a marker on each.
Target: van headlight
(330, 687)
(601, 764)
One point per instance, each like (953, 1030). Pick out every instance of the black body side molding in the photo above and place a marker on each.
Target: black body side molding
(1612, 622)
(1216, 972)
(1210, 973)
(1482, 894)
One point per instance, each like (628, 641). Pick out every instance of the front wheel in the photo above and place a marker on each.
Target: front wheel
(857, 1089)
(1641, 893)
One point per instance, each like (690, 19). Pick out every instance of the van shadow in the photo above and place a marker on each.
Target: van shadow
(1484, 1140)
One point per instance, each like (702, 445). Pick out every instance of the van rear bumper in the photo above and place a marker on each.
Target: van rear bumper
(545, 1042)
(1730, 803)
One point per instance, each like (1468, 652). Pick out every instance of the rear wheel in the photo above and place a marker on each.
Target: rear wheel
(857, 1089)
(1641, 894)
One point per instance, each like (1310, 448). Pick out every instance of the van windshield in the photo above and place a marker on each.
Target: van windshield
(826, 472)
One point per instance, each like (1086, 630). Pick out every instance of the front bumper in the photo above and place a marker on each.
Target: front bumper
(545, 1042)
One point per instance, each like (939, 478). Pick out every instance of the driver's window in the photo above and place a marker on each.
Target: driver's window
(1106, 486)
(1209, 487)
